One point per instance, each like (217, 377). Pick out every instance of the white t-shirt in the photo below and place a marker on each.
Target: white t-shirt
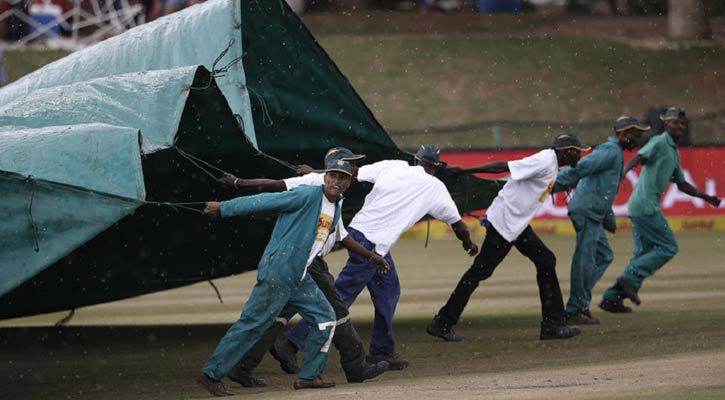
(400, 197)
(317, 179)
(532, 179)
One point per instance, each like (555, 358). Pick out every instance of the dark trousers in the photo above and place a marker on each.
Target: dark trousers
(345, 339)
(493, 251)
(384, 289)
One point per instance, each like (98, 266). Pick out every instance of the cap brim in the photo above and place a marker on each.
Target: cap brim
(427, 161)
(635, 126)
(338, 170)
(354, 157)
(580, 148)
(670, 117)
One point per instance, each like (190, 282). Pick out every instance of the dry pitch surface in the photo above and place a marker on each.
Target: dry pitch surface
(152, 347)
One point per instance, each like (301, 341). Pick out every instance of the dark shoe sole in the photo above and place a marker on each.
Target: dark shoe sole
(392, 365)
(629, 290)
(300, 384)
(248, 381)
(615, 309)
(212, 388)
(571, 333)
(445, 337)
(374, 371)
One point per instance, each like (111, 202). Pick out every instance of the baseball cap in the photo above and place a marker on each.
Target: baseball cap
(341, 153)
(626, 122)
(429, 154)
(334, 164)
(673, 113)
(567, 141)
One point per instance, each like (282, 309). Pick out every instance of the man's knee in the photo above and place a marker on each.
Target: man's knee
(479, 272)
(546, 261)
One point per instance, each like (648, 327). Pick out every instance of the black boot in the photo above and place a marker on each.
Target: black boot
(366, 371)
(440, 329)
(557, 331)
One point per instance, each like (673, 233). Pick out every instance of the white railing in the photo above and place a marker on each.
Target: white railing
(98, 18)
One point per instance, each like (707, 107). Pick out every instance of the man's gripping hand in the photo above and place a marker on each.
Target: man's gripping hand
(470, 248)
(213, 209)
(714, 200)
(379, 263)
(229, 180)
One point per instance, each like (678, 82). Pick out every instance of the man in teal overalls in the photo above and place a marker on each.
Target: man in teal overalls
(307, 215)
(654, 242)
(596, 178)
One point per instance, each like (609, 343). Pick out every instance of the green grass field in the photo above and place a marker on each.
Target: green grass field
(152, 347)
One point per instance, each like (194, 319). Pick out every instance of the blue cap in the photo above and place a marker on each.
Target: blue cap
(341, 153)
(335, 164)
(428, 154)
(673, 113)
(626, 122)
(569, 141)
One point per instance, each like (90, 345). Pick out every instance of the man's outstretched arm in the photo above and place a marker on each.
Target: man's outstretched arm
(495, 167)
(461, 231)
(263, 185)
(692, 191)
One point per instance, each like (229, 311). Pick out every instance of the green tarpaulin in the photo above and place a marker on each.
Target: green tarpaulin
(94, 146)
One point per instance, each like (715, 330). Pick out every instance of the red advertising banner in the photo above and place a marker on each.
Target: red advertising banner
(704, 168)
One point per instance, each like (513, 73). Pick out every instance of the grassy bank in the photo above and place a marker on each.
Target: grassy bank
(465, 90)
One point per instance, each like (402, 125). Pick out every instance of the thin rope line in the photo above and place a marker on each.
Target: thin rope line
(176, 205)
(64, 321)
(33, 225)
(265, 110)
(216, 289)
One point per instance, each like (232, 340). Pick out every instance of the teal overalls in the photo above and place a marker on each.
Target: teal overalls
(281, 278)
(596, 178)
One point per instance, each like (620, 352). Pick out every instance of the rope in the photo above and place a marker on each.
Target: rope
(175, 206)
(64, 321)
(196, 161)
(33, 225)
(427, 235)
(219, 72)
(216, 289)
(283, 162)
(265, 110)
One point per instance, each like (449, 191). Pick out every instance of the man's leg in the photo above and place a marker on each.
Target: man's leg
(350, 282)
(346, 339)
(242, 372)
(313, 307)
(603, 258)
(385, 293)
(582, 262)
(493, 250)
(263, 305)
(654, 245)
(553, 324)
(662, 246)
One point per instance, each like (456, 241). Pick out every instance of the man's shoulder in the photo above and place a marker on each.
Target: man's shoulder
(306, 190)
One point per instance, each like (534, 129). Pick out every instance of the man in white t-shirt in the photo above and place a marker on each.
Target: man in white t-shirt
(400, 197)
(507, 225)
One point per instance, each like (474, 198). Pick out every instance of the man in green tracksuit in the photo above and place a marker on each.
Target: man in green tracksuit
(596, 178)
(307, 216)
(654, 242)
